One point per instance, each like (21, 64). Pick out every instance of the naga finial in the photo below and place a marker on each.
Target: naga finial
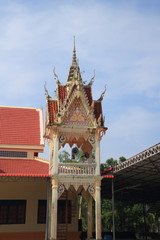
(102, 95)
(92, 79)
(56, 76)
(46, 91)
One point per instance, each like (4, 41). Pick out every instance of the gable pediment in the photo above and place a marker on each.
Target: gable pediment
(78, 114)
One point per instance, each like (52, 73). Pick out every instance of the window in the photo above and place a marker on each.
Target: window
(42, 205)
(13, 154)
(12, 211)
(62, 208)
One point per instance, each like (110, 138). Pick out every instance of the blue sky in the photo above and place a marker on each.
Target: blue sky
(118, 39)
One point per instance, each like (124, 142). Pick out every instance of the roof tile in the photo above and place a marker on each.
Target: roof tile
(19, 126)
(62, 91)
(52, 109)
(23, 167)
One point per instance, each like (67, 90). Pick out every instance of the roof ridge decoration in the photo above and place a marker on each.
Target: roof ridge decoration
(56, 76)
(102, 95)
(46, 91)
(92, 80)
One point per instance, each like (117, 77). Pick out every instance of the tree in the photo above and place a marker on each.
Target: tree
(64, 156)
(111, 162)
(122, 159)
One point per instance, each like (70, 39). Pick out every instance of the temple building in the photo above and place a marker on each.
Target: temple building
(23, 179)
(76, 119)
(39, 199)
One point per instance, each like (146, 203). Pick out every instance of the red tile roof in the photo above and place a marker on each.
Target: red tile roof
(62, 92)
(23, 168)
(20, 126)
(52, 110)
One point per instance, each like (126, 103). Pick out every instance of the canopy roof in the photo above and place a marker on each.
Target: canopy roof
(137, 179)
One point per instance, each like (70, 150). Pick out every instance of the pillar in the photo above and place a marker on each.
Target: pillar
(54, 207)
(98, 211)
(89, 215)
(54, 145)
(54, 167)
(97, 156)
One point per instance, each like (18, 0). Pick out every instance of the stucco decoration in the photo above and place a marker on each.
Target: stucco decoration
(91, 189)
(61, 189)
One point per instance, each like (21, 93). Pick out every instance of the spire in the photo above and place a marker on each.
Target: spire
(74, 58)
(74, 72)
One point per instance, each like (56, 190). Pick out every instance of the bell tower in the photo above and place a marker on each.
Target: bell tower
(74, 118)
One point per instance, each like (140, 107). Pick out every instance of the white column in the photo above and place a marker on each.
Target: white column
(54, 207)
(54, 160)
(98, 211)
(97, 156)
(89, 213)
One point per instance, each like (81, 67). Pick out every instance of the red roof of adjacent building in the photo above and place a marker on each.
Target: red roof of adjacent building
(23, 168)
(20, 126)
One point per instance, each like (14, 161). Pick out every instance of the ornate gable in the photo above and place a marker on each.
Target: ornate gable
(77, 114)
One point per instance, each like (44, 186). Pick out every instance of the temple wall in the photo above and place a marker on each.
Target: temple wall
(31, 192)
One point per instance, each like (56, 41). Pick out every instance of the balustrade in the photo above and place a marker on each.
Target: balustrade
(76, 168)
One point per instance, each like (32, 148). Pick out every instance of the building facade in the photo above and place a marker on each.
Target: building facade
(23, 179)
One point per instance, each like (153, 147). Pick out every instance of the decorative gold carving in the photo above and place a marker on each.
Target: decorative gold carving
(77, 117)
(91, 189)
(61, 188)
(91, 139)
(77, 114)
(62, 139)
(77, 91)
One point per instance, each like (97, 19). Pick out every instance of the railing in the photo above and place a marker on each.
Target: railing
(139, 157)
(76, 168)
